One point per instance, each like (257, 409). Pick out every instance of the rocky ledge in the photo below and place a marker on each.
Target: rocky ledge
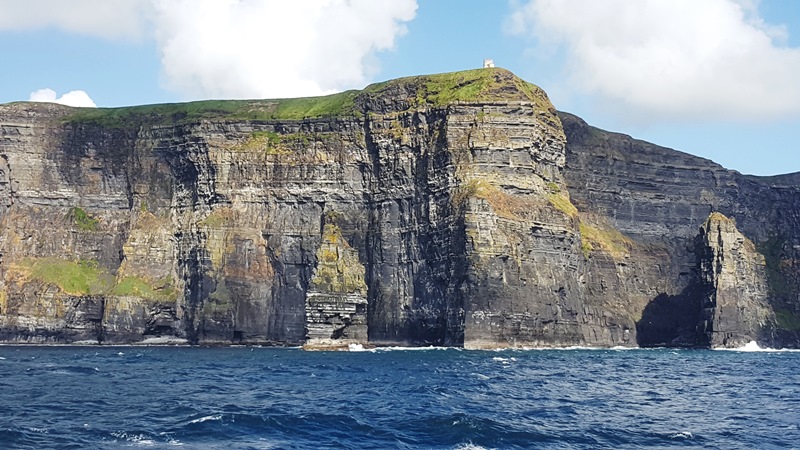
(454, 209)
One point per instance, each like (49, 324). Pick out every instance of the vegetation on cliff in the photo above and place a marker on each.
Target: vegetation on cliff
(82, 277)
(86, 277)
(131, 286)
(338, 268)
(478, 85)
(439, 90)
(82, 220)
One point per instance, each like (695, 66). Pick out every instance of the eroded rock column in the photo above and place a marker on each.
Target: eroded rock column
(734, 304)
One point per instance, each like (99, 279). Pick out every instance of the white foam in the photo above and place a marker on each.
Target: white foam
(753, 346)
(138, 439)
(414, 349)
(356, 348)
(165, 340)
(207, 418)
(682, 435)
(504, 361)
(558, 349)
(469, 446)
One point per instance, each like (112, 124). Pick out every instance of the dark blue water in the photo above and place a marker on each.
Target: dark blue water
(231, 398)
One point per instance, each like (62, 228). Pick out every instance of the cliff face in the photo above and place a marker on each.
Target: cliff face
(431, 210)
(666, 201)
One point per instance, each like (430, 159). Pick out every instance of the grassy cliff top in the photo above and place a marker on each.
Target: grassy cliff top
(477, 85)
(425, 91)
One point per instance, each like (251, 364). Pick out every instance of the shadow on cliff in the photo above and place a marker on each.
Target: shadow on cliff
(671, 321)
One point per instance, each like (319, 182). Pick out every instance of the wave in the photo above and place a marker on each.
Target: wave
(682, 435)
(63, 370)
(215, 417)
(361, 348)
(559, 349)
(469, 446)
(504, 361)
(415, 349)
(753, 346)
(164, 341)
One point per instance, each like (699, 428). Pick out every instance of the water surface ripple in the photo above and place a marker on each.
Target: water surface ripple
(262, 398)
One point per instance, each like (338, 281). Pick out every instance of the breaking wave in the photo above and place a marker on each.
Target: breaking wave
(753, 346)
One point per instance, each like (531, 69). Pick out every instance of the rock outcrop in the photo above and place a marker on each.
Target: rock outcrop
(450, 209)
(735, 307)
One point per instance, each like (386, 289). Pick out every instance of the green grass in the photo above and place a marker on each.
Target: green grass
(133, 117)
(139, 287)
(82, 220)
(82, 277)
(476, 85)
(86, 277)
(553, 187)
(219, 217)
(443, 89)
(605, 238)
(561, 202)
(429, 90)
(336, 105)
(266, 141)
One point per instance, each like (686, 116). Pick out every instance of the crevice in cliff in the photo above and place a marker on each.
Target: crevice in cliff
(413, 235)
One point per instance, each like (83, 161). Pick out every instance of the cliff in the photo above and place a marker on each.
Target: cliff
(666, 201)
(453, 209)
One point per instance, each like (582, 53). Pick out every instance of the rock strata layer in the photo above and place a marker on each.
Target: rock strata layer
(450, 209)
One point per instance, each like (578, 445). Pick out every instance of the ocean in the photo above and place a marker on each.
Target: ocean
(271, 398)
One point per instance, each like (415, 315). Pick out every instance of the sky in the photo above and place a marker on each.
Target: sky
(715, 78)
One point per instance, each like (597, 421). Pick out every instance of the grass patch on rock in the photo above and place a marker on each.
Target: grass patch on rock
(82, 277)
(86, 277)
(560, 201)
(505, 205)
(131, 286)
(82, 220)
(219, 217)
(604, 238)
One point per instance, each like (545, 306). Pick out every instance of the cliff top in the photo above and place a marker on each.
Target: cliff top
(424, 91)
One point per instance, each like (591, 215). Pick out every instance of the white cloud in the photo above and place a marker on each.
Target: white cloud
(249, 48)
(238, 48)
(670, 59)
(103, 18)
(71, 98)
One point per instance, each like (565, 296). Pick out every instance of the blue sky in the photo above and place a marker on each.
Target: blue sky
(716, 78)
